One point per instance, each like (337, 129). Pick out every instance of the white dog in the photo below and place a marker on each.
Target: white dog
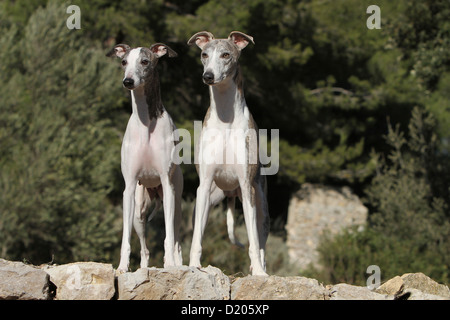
(147, 154)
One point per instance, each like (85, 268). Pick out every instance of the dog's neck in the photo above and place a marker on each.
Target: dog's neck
(227, 98)
(146, 99)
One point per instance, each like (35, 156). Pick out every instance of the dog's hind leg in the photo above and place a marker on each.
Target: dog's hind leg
(177, 179)
(263, 219)
(231, 202)
(128, 212)
(142, 204)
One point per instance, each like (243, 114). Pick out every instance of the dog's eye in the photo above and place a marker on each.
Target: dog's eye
(225, 55)
(145, 62)
(204, 55)
(124, 62)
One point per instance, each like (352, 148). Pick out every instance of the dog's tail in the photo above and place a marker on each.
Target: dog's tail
(155, 209)
(230, 222)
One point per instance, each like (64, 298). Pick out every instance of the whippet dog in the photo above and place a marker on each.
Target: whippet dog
(234, 135)
(147, 155)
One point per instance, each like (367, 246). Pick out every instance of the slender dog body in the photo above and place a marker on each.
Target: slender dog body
(147, 155)
(228, 149)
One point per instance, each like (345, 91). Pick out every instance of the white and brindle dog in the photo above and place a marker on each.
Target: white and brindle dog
(147, 155)
(229, 129)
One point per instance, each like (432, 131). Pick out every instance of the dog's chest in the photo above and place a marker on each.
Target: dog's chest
(224, 143)
(224, 151)
(144, 149)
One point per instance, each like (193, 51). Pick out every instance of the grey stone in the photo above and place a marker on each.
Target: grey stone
(277, 288)
(345, 291)
(174, 283)
(414, 294)
(19, 281)
(316, 210)
(93, 281)
(83, 281)
(408, 285)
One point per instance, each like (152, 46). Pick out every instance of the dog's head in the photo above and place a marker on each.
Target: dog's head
(220, 56)
(139, 63)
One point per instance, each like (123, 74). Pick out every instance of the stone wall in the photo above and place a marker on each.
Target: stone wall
(315, 210)
(98, 281)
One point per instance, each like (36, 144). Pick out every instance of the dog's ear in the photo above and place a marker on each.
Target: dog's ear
(241, 40)
(118, 51)
(201, 38)
(161, 49)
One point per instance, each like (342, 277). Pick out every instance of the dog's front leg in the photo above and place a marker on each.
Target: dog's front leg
(169, 219)
(201, 217)
(141, 204)
(128, 211)
(250, 217)
(177, 181)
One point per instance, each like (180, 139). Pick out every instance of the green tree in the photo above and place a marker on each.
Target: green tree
(407, 80)
(409, 229)
(58, 146)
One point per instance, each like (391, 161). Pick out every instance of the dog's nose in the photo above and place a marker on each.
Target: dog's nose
(208, 77)
(128, 83)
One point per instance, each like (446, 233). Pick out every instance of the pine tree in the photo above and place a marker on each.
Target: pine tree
(408, 229)
(58, 145)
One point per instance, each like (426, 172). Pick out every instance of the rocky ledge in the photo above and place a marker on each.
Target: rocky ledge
(98, 281)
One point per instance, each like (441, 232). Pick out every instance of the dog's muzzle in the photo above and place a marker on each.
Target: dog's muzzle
(128, 83)
(208, 77)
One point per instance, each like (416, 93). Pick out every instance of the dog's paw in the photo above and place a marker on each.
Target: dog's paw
(120, 271)
(195, 265)
(258, 272)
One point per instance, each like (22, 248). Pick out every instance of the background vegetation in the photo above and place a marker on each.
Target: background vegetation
(358, 107)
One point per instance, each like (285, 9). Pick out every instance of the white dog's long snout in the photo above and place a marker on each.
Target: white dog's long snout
(128, 83)
(208, 77)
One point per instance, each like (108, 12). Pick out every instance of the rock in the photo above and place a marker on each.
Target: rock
(174, 283)
(96, 281)
(315, 210)
(83, 281)
(344, 291)
(414, 294)
(391, 287)
(19, 281)
(277, 288)
(400, 286)
(425, 284)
